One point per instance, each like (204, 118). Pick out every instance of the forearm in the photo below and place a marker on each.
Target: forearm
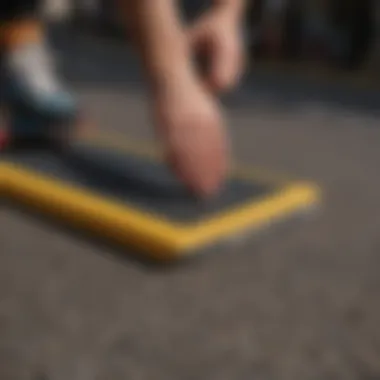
(235, 8)
(159, 37)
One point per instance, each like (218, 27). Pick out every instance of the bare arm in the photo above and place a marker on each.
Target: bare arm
(159, 38)
(235, 8)
(187, 118)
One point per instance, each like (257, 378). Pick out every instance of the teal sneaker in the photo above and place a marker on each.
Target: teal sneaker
(38, 104)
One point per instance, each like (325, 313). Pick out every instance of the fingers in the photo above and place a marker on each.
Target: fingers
(223, 53)
(224, 65)
(199, 161)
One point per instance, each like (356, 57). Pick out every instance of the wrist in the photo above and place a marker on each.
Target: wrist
(166, 78)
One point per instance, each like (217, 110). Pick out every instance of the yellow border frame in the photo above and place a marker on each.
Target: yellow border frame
(160, 239)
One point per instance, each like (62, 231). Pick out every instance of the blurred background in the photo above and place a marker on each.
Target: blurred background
(332, 35)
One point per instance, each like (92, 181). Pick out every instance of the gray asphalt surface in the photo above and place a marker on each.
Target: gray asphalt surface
(302, 303)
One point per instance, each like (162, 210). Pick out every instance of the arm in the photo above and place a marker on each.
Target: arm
(235, 8)
(187, 117)
(159, 37)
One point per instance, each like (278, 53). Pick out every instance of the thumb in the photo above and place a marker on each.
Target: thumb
(224, 64)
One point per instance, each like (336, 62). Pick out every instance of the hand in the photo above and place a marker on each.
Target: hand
(216, 38)
(190, 124)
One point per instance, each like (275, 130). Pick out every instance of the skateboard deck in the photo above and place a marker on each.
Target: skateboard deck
(122, 191)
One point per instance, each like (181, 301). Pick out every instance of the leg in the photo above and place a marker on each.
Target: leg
(36, 101)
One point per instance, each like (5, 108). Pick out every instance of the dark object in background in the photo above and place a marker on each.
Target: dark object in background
(356, 21)
(15, 9)
(362, 30)
(191, 9)
(105, 19)
(293, 30)
(254, 24)
(348, 46)
(109, 20)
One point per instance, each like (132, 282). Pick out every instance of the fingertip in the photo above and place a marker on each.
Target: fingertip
(212, 188)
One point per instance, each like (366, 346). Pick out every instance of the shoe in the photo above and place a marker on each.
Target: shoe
(38, 106)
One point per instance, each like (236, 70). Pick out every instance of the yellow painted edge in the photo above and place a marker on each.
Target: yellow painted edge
(119, 222)
(2, 178)
(254, 215)
(160, 239)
